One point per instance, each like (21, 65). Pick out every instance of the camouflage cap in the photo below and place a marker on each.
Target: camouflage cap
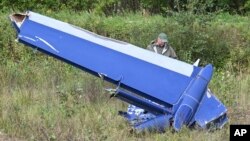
(163, 37)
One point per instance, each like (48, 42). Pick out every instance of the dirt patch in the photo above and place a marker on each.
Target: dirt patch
(4, 137)
(239, 115)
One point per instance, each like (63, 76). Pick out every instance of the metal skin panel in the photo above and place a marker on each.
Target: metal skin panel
(159, 124)
(170, 90)
(143, 103)
(151, 80)
(192, 97)
(214, 110)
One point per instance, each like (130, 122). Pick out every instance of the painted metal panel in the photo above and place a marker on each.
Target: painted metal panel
(148, 76)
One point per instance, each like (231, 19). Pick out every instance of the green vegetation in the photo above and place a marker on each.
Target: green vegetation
(110, 7)
(42, 98)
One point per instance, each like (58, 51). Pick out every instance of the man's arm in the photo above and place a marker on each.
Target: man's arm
(150, 46)
(172, 53)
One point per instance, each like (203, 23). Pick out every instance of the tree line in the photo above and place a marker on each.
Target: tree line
(109, 7)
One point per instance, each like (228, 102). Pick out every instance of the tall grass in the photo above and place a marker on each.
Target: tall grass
(71, 105)
(44, 99)
(59, 102)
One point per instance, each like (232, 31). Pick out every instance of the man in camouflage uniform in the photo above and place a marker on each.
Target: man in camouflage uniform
(161, 46)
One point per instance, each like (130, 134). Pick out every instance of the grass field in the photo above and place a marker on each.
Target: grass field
(50, 100)
(45, 99)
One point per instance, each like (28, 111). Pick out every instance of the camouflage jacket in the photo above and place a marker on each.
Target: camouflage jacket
(167, 50)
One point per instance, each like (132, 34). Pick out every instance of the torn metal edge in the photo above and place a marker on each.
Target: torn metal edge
(18, 18)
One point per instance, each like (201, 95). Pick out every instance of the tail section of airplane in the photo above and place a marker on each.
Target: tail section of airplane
(164, 92)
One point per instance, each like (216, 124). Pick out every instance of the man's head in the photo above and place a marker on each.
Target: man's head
(162, 39)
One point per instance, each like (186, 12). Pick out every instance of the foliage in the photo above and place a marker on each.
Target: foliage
(59, 102)
(44, 99)
(217, 39)
(110, 7)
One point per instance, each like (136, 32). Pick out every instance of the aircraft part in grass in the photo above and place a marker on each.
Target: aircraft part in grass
(164, 92)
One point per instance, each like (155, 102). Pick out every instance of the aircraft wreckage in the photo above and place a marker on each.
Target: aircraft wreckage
(181, 98)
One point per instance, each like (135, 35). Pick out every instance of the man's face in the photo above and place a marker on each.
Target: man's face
(159, 42)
